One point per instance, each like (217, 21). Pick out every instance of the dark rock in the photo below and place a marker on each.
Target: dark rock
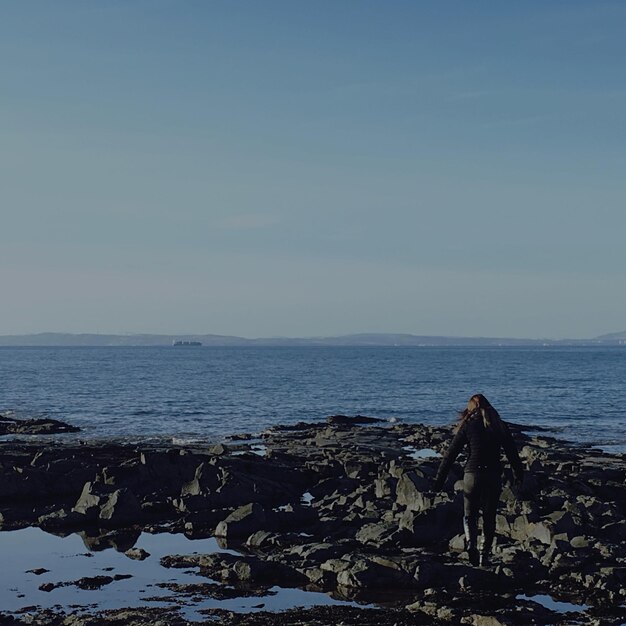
(478, 619)
(60, 519)
(347, 420)
(97, 582)
(410, 491)
(252, 570)
(615, 531)
(121, 540)
(168, 470)
(218, 449)
(437, 524)
(242, 522)
(381, 535)
(113, 507)
(324, 579)
(260, 538)
(359, 469)
(137, 554)
(319, 552)
(580, 541)
(207, 478)
(293, 518)
(11, 426)
(372, 524)
(385, 486)
(370, 574)
(240, 437)
(457, 543)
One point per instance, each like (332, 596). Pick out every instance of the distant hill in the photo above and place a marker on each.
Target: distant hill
(361, 339)
(86, 339)
(612, 337)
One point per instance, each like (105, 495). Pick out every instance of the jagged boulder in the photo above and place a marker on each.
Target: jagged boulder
(385, 486)
(253, 570)
(167, 470)
(59, 519)
(112, 507)
(410, 491)
(381, 535)
(242, 522)
(372, 575)
(319, 552)
(207, 478)
(437, 523)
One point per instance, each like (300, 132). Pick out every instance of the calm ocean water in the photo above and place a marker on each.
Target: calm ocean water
(207, 392)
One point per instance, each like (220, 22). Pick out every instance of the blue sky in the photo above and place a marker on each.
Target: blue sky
(299, 169)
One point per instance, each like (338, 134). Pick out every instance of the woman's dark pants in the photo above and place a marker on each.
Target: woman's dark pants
(481, 491)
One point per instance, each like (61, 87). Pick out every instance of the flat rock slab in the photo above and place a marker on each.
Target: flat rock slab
(12, 426)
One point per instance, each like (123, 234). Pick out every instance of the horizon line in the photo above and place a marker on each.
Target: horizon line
(616, 336)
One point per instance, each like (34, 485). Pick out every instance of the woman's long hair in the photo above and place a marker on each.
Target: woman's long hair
(479, 406)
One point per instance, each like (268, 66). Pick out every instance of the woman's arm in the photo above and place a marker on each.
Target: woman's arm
(510, 449)
(458, 443)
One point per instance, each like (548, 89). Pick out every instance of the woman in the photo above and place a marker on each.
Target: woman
(485, 434)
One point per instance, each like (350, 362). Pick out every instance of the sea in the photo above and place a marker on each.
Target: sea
(204, 394)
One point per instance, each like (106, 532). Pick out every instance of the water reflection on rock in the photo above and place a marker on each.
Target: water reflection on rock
(96, 540)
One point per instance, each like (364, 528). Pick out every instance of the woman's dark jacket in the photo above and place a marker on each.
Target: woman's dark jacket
(484, 449)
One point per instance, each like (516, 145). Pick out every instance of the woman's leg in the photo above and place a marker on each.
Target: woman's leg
(491, 498)
(471, 508)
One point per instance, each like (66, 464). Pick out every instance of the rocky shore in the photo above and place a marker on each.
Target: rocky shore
(343, 507)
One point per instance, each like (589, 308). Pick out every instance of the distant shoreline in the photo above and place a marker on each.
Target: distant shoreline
(355, 340)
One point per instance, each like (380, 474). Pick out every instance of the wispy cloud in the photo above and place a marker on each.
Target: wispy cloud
(471, 94)
(528, 120)
(247, 221)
